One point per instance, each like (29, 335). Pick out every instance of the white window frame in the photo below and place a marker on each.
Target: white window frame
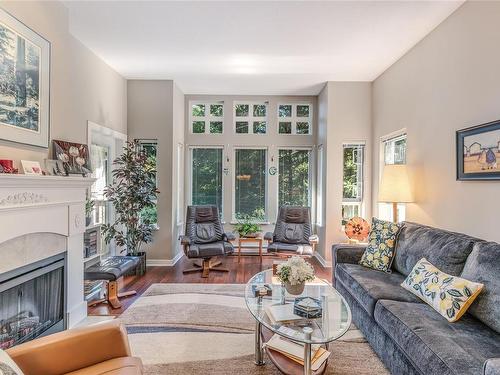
(233, 183)
(294, 119)
(142, 142)
(190, 161)
(310, 175)
(385, 209)
(180, 184)
(319, 184)
(207, 118)
(250, 118)
(359, 202)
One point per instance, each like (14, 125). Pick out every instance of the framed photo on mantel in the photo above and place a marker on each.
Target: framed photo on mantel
(478, 152)
(24, 83)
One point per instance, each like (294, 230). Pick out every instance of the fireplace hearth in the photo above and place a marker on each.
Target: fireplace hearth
(32, 301)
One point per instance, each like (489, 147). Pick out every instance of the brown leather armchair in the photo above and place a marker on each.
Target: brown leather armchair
(98, 349)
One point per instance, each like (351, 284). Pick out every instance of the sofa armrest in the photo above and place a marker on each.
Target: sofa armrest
(346, 253)
(268, 236)
(229, 236)
(72, 350)
(492, 366)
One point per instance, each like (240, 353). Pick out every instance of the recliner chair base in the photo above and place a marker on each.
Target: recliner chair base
(205, 266)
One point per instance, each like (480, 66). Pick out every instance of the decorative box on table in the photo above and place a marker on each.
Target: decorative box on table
(308, 307)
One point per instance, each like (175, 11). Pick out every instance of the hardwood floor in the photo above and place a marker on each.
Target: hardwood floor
(239, 273)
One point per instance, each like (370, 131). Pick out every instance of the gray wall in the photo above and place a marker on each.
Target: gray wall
(82, 86)
(155, 111)
(344, 117)
(449, 81)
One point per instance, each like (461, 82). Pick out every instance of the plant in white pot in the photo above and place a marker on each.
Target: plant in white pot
(294, 273)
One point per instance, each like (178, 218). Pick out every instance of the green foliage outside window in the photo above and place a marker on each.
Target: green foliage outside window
(293, 184)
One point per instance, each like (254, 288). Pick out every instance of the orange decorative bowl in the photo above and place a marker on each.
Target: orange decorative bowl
(357, 228)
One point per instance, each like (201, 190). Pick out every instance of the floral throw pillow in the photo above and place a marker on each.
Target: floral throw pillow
(381, 243)
(449, 295)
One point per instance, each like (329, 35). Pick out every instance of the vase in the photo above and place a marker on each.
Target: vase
(295, 289)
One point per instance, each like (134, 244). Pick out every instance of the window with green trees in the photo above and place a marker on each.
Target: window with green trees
(294, 177)
(352, 181)
(250, 118)
(207, 177)
(250, 182)
(207, 118)
(150, 147)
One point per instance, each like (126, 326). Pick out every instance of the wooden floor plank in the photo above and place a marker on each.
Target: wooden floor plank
(239, 273)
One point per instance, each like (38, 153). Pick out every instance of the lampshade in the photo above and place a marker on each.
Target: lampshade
(395, 185)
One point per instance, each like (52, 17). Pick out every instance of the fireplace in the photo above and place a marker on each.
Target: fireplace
(32, 301)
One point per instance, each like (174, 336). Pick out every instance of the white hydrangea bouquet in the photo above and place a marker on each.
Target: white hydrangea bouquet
(294, 273)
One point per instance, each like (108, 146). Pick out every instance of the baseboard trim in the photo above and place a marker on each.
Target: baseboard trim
(322, 261)
(165, 262)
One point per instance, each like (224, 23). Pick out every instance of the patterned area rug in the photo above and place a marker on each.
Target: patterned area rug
(207, 329)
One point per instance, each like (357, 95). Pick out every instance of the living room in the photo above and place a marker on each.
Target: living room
(249, 187)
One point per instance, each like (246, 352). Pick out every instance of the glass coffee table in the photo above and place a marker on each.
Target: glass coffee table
(333, 323)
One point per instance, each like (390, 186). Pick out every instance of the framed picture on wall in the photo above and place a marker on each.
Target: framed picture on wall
(478, 152)
(24, 83)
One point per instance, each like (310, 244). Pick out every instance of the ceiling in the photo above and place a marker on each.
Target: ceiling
(254, 47)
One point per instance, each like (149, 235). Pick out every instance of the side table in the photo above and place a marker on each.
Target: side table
(243, 240)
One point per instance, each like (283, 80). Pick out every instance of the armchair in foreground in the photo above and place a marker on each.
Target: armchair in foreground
(205, 239)
(293, 233)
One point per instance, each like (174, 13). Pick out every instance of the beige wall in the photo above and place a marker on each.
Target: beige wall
(449, 81)
(344, 117)
(82, 86)
(155, 111)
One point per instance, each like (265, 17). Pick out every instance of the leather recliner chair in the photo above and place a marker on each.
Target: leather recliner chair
(205, 239)
(292, 233)
(101, 348)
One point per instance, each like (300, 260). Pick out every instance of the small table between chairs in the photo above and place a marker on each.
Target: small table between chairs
(243, 240)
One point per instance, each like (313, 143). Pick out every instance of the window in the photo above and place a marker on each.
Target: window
(293, 177)
(352, 195)
(250, 118)
(250, 182)
(180, 183)
(99, 156)
(394, 152)
(150, 147)
(294, 118)
(207, 176)
(207, 118)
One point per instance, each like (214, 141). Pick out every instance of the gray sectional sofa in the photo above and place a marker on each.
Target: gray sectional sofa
(407, 334)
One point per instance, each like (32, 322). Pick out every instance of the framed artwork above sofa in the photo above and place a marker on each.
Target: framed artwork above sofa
(478, 152)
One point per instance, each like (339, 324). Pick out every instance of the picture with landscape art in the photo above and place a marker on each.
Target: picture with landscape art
(24, 81)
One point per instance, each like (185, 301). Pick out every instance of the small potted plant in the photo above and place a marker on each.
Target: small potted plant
(294, 273)
(247, 226)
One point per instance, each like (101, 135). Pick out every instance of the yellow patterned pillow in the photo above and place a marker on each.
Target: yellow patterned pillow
(449, 295)
(381, 242)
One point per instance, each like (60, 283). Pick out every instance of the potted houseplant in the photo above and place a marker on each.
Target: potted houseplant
(294, 273)
(132, 191)
(246, 224)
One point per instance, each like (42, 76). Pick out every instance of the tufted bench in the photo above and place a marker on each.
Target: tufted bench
(112, 270)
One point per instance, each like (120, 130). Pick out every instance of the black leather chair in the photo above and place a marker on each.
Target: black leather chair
(292, 233)
(205, 239)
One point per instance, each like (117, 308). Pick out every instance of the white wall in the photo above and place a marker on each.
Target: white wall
(82, 86)
(449, 81)
(344, 117)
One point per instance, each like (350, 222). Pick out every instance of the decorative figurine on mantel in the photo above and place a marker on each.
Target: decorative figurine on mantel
(7, 166)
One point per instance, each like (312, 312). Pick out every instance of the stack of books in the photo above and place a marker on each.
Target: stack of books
(295, 351)
(282, 314)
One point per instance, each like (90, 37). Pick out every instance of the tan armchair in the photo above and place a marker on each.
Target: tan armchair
(98, 349)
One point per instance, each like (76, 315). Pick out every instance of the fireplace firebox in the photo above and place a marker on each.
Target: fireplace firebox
(32, 301)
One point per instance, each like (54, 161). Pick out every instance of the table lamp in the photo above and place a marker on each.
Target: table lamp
(395, 187)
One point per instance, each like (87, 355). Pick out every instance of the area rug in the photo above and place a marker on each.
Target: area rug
(207, 329)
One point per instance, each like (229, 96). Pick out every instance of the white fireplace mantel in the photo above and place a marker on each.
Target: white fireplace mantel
(48, 204)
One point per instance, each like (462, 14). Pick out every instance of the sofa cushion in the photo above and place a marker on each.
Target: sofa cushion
(115, 366)
(449, 295)
(379, 253)
(367, 286)
(483, 266)
(435, 345)
(7, 365)
(448, 251)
